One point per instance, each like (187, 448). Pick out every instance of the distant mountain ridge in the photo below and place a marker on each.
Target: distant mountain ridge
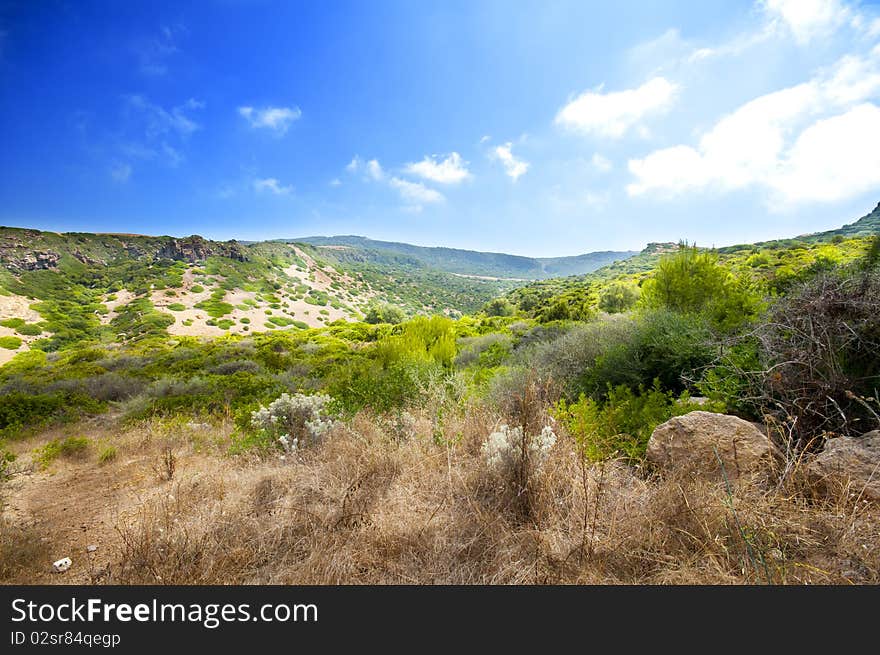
(468, 262)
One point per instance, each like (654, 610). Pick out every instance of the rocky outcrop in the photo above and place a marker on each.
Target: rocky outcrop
(695, 442)
(849, 461)
(195, 249)
(40, 260)
(85, 259)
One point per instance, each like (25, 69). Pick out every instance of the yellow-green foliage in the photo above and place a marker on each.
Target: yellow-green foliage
(10, 343)
(694, 281)
(622, 424)
(69, 447)
(421, 339)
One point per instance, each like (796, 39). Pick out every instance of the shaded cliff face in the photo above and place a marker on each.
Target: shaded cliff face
(33, 250)
(195, 248)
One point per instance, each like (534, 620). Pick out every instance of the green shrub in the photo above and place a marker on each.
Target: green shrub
(694, 282)
(176, 307)
(10, 343)
(30, 330)
(70, 447)
(107, 454)
(384, 313)
(499, 307)
(621, 425)
(618, 297)
(197, 288)
(214, 306)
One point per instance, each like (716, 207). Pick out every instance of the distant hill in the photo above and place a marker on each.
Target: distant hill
(465, 262)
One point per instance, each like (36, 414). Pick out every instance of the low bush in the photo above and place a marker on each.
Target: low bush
(71, 447)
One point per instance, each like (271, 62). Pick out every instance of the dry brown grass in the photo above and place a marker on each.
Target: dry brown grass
(367, 508)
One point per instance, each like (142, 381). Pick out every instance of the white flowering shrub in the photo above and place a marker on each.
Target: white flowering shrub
(503, 449)
(296, 421)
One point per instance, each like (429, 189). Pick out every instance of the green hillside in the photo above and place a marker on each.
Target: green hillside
(466, 262)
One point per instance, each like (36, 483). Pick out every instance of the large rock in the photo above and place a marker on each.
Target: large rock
(852, 461)
(690, 443)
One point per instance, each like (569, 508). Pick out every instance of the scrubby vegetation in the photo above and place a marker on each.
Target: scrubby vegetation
(502, 446)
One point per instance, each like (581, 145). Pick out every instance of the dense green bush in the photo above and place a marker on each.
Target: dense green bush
(10, 343)
(618, 297)
(630, 351)
(384, 313)
(692, 281)
(622, 424)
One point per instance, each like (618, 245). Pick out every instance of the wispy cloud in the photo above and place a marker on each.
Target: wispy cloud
(372, 168)
(152, 53)
(271, 185)
(276, 119)
(613, 114)
(601, 163)
(120, 172)
(415, 192)
(451, 170)
(514, 168)
(158, 121)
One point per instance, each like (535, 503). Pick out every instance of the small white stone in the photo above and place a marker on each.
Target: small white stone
(62, 565)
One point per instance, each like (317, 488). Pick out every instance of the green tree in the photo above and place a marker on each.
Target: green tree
(618, 297)
(384, 313)
(499, 307)
(693, 281)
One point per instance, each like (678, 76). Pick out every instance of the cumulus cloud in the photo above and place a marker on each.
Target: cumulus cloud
(833, 159)
(513, 167)
(613, 114)
(808, 19)
(276, 119)
(782, 141)
(271, 185)
(451, 170)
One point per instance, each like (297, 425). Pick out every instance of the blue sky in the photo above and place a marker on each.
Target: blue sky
(538, 128)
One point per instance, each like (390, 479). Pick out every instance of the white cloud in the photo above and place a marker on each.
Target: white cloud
(272, 185)
(451, 170)
(335, 182)
(601, 163)
(808, 19)
(776, 142)
(159, 121)
(121, 172)
(833, 159)
(613, 114)
(277, 119)
(415, 193)
(513, 167)
(374, 170)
